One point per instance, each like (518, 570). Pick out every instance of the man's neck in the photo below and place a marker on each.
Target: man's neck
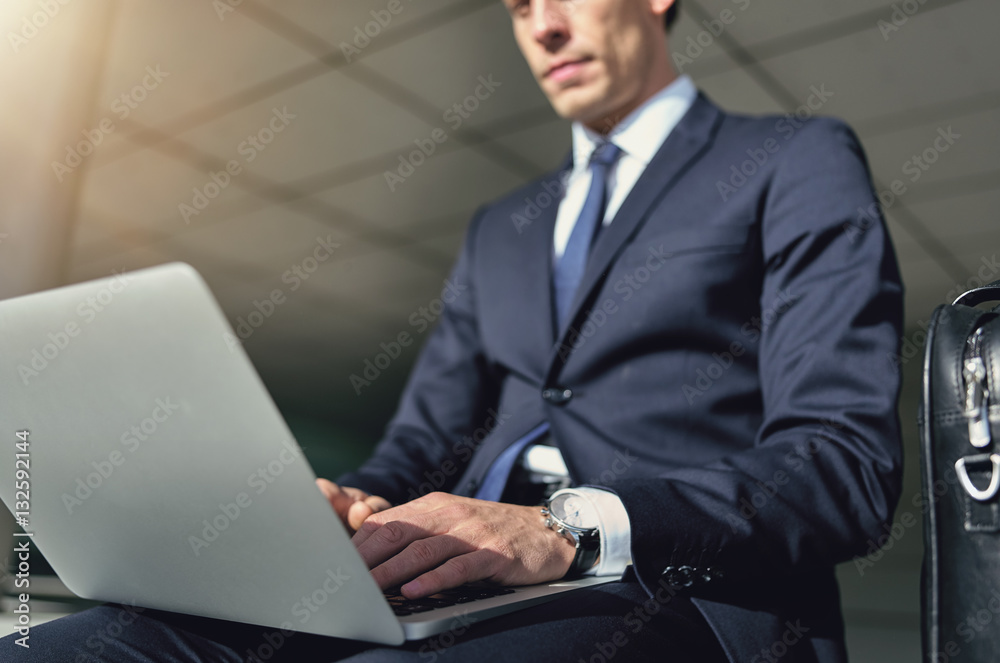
(605, 125)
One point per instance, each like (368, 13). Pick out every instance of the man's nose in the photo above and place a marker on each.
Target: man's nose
(550, 19)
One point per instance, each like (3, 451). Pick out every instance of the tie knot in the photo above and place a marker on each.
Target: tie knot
(605, 154)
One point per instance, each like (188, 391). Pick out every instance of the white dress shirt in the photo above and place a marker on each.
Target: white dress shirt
(640, 136)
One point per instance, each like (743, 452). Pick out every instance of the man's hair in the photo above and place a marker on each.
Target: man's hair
(671, 14)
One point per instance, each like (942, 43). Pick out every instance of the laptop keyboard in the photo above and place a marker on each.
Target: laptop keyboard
(403, 606)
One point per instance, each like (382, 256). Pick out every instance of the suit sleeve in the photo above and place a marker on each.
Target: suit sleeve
(824, 471)
(425, 445)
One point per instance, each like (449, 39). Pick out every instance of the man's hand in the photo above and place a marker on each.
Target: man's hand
(440, 541)
(351, 504)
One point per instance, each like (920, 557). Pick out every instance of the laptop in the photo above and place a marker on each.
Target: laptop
(161, 474)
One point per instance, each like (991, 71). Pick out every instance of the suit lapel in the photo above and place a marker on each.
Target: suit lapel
(534, 273)
(683, 145)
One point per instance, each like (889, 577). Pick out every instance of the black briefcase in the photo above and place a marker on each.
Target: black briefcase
(959, 459)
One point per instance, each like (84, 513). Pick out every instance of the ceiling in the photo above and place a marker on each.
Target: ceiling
(232, 70)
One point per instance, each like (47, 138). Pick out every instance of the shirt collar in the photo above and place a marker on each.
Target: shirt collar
(643, 131)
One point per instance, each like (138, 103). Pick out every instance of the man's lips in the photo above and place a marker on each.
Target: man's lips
(565, 69)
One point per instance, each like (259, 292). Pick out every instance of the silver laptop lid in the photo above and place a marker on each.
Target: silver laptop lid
(161, 472)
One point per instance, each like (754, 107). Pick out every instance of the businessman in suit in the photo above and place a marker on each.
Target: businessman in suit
(715, 374)
(689, 312)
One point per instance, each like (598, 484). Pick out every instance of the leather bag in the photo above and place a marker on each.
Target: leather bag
(960, 465)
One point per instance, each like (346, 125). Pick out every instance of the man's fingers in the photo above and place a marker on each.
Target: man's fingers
(389, 539)
(378, 503)
(470, 567)
(419, 556)
(358, 512)
(336, 496)
(355, 493)
(353, 505)
(387, 514)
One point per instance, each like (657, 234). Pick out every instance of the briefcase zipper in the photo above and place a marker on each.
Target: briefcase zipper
(977, 391)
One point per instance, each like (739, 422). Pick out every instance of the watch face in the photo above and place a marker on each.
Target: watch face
(573, 510)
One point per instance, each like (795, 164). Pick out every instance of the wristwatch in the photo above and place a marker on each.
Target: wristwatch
(571, 516)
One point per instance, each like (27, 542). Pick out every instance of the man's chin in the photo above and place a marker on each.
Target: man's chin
(576, 105)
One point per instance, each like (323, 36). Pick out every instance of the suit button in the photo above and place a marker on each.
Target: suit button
(687, 576)
(557, 396)
(670, 575)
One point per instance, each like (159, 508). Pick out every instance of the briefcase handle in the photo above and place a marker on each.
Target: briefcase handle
(987, 293)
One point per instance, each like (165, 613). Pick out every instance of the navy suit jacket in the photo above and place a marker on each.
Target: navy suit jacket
(727, 373)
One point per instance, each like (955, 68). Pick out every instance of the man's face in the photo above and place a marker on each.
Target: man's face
(595, 60)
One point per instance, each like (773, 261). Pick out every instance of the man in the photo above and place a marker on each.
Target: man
(721, 373)
(706, 351)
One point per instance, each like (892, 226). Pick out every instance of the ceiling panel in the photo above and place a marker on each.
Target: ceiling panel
(148, 189)
(754, 21)
(927, 286)
(449, 183)
(366, 25)
(382, 281)
(869, 76)
(450, 65)
(965, 226)
(953, 147)
(273, 240)
(325, 124)
(544, 143)
(206, 58)
(737, 92)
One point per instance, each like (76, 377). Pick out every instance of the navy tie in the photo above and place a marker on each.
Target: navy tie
(496, 477)
(569, 269)
(565, 281)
